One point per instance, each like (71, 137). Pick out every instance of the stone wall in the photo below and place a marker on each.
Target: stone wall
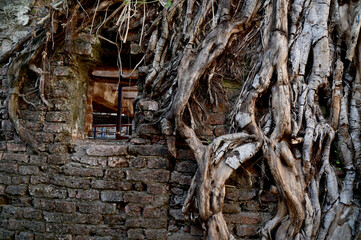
(107, 189)
(76, 188)
(111, 190)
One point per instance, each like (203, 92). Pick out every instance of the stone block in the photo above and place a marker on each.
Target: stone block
(16, 180)
(149, 150)
(111, 196)
(235, 194)
(182, 235)
(16, 190)
(196, 230)
(90, 194)
(156, 188)
(117, 162)
(114, 220)
(138, 197)
(65, 206)
(135, 233)
(97, 208)
(32, 214)
(247, 218)
(16, 147)
(28, 170)
(92, 238)
(162, 163)
(2, 146)
(5, 179)
(79, 229)
(148, 176)
(45, 137)
(146, 223)
(111, 185)
(138, 162)
(114, 174)
(155, 212)
(58, 159)
(156, 234)
(186, 167)
(57, 116)
(39, 179)
(24, 236)
(47, 191)
(17, 157)
(92, 161)
(38, 160)
(181, 179)
(133, 210)
(56, 127)
(107, 150)
(43, 204)
(147, 130)
(57, 148)
(70, 182)
(83, 172)
(231, 208)
(79, 218)
(6, 234)
(177, 214)
(185, 154)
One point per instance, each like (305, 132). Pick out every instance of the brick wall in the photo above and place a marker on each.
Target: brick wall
(111, 190)
(96, 190)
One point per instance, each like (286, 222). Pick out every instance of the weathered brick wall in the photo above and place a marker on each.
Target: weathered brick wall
(109, 190)
(92, 189)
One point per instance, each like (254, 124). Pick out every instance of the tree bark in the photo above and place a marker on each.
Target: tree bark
(307, 75)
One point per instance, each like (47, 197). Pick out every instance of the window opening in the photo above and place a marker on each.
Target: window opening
(112, 102)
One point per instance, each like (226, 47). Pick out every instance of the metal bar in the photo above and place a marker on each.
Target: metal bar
(119, 113)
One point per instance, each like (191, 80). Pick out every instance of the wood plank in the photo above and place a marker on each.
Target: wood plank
(111, 72)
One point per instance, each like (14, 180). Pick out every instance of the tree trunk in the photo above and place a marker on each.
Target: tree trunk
(309, 62)
(299, 105)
